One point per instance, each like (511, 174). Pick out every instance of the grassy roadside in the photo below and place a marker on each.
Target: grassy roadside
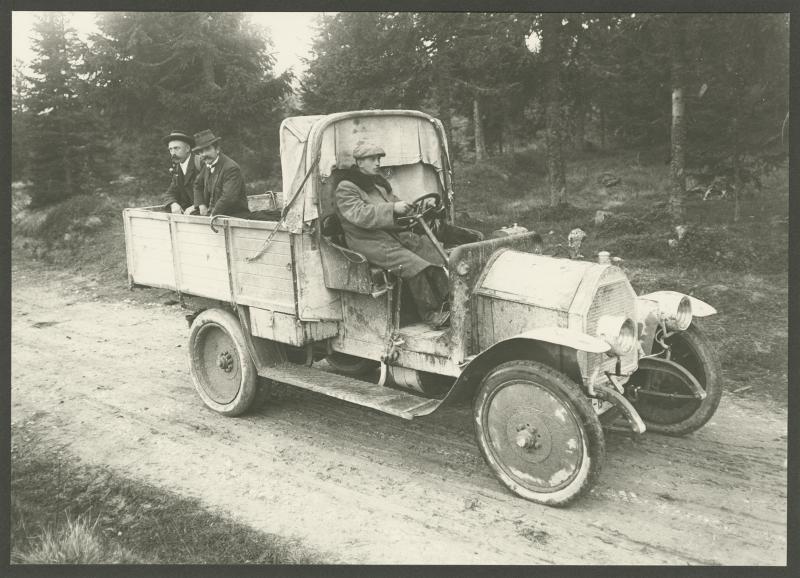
(64, 512)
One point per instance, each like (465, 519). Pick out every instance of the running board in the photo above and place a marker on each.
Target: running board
(391, 401)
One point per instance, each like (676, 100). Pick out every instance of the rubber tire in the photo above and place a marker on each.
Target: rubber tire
(351, 365)
(705, 367)
(248, 383)
(569, 393)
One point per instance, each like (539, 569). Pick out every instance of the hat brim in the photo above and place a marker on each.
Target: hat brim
(187, 139)
(370, 156)
(201, 146)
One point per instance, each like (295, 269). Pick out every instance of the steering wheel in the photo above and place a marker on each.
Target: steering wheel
(429, 214)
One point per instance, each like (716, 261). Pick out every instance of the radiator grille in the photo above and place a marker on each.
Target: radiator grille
(614, 298)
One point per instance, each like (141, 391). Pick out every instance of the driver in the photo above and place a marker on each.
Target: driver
(367, 210)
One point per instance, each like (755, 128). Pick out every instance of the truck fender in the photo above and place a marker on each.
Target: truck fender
(699, 308)
(555, 346)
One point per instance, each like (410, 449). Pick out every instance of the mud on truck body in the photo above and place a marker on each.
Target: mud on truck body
(549, 350)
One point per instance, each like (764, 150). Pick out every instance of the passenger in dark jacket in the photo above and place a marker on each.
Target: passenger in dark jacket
(179, 197)
(219, 189)
(367, 209)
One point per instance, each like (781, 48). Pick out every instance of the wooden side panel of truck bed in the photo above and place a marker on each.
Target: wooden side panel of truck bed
(183, 253)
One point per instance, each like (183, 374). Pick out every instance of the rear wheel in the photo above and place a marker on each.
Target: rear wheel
(664, 400)
(538, 432)
(222, 371)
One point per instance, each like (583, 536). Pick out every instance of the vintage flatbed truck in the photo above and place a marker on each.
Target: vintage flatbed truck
(548, 349)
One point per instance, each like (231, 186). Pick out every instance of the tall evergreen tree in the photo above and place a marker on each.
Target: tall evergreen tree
(190, 71)
(20, 121)
(366, 60)
(65, 133)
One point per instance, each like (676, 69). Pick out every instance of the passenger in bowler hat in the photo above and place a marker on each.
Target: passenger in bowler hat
(219, 189)
(179, 197)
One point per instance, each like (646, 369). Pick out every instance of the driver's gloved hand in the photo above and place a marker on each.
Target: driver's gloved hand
(402, 208)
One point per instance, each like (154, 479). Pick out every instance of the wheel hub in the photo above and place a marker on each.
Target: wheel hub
(528, 437)
(529, 434)
(225, 361)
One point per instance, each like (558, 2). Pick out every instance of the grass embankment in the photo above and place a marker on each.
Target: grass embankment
(63, 512)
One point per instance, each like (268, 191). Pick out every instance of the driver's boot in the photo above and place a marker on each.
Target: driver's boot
(429, 289)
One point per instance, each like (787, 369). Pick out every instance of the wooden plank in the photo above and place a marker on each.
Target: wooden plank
(154, 213)
(238, 224)
(211, 256)
(270, 259)
(252, 246)
(152, 239)
(205, 288)
(266, 277)
(192, 238)
(248, 293)
(155, 272)
(251, 301)
(256, 237)
(149, 228)
(244, 255)
(264, 269)
(149, 253)
(204, 272)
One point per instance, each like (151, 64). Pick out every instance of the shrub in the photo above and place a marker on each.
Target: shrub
(76, 216)
(623, 224)
(564, 212)
(641, 246)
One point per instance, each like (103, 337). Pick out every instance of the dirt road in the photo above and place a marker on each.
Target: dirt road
(108, 381)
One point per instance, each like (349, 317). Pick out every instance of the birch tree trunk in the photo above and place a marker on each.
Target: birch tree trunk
(480, 141)
(552, 52)
(678, 130)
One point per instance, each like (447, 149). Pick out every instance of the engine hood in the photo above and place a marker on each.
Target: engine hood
(539, 280)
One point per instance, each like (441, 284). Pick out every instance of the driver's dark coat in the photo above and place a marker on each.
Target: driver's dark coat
(366, 211)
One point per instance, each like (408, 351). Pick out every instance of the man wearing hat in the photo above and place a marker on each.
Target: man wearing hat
(219, 189)
(367, 209)
(179, 197)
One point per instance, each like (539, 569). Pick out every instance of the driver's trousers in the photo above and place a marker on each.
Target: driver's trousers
(429, 288)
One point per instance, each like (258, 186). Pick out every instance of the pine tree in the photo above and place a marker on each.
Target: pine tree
(65, 130)
(190, 71)
(366, 60)
(20, 121)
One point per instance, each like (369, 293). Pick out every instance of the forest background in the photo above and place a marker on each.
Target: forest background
(711, 90)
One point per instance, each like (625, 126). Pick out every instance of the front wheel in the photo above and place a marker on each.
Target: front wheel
(663, 399)
(222, 371)
(538, 432)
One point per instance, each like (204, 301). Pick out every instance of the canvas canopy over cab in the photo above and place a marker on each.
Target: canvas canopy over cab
(416, 161)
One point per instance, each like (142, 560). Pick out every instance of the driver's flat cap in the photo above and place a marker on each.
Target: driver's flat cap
(367, 149)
